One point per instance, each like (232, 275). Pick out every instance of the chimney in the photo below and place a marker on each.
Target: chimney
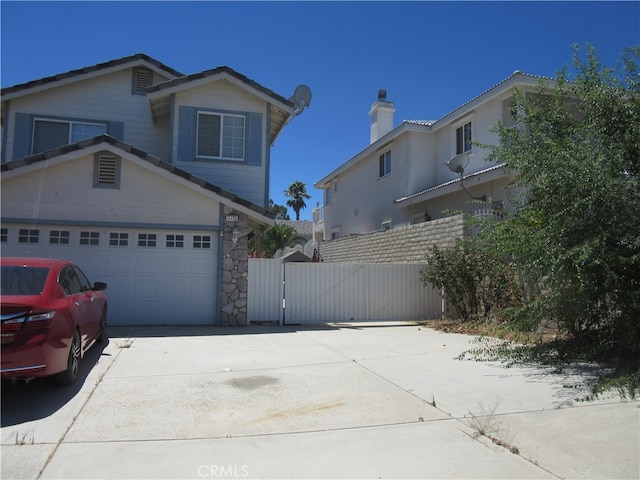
(381, 114)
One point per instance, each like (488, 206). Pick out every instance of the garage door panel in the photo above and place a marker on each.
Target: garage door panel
(175, 264)
(146, 263)
(198, 265)
(145, 289)
(118, 263)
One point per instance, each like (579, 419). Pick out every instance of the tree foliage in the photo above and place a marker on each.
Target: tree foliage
(297, 193)
(575, 228)
(277, 238)
(280, 210)
(571, 240)
(474, 279)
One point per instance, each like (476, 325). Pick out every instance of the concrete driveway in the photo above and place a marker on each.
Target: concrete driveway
(316, 401)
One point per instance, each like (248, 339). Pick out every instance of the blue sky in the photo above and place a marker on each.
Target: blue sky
(431, 57)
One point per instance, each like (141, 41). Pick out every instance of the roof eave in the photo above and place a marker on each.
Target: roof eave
(453, 186)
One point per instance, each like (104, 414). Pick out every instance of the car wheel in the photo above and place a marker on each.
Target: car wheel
(102, 335)
(73, 363)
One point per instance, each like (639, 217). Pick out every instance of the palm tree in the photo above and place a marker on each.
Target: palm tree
(297, 192)
(276, 238)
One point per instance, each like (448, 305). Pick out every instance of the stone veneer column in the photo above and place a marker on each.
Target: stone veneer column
(235, 266)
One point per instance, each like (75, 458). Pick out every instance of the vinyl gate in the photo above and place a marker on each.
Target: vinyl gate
(295, 293)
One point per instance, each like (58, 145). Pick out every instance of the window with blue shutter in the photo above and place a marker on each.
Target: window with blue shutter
(40, 133)
(218, 135)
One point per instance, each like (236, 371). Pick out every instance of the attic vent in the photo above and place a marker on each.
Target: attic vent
(107, 165)
(142, 79)
(107, 170)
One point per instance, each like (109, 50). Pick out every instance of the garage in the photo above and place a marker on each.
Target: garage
(155, 277)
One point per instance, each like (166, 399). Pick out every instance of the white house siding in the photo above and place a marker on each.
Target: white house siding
(107, 97)
(363, 200)
(143, 197)
(247, 181)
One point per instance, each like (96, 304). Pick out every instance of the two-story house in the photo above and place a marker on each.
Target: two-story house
(148, 178)
(406, 175)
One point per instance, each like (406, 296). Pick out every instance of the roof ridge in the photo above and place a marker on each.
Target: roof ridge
(501, 82)
(91, 68)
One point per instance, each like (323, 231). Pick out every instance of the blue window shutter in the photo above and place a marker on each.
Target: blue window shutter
(116, 130)
(253, 139)
(23, 132)
(186, 133)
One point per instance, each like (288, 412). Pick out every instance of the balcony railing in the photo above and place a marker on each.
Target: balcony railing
(318, 215)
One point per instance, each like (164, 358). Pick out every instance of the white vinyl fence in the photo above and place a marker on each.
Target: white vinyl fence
(295, 293)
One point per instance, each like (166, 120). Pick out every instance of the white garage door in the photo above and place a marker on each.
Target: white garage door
(155, 277)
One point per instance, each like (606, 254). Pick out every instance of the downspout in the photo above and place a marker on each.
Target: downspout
(5, 128)
(218, 307)
(267, 156)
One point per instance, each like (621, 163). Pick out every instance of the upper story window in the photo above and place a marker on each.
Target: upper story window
(463, 138)
(327, 196)
(142, 79)
(384, 164)
(49, 134)
(220, 136)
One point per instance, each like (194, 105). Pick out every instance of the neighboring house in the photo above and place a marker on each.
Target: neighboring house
(150, 179)
(303, 228)
(402, 177)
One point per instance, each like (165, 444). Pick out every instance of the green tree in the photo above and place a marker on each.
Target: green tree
(279, 210)
(297, 193)
(575, 228)
(473, 277)
(276, 238)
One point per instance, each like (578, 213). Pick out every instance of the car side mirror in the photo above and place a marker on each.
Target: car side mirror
(98, 286)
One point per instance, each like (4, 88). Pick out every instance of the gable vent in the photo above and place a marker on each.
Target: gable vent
(142, 79)
(107, 169)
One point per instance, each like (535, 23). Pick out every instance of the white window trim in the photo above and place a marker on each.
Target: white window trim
(222, 116)
(454, 129)
(384, 153)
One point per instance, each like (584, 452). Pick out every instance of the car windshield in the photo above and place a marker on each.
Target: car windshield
(22, 280)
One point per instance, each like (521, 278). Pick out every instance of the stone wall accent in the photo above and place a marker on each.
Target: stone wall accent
(408, 244)
(235, 267)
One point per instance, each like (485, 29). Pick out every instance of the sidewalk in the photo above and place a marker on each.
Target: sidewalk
(316, 401)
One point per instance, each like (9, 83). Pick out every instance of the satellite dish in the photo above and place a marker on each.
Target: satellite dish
(301, 98)
(458, 163)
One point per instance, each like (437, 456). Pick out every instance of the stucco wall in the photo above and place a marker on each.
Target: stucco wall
(400, 245)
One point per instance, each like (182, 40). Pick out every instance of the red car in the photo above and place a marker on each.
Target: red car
(51, 315)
